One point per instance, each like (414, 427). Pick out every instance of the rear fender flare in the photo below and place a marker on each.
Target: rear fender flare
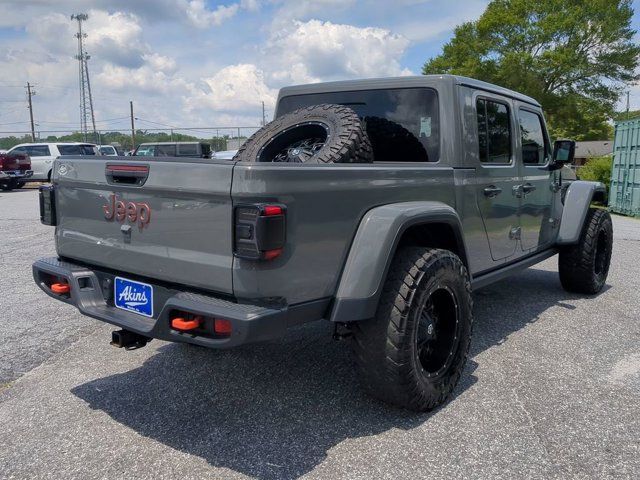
(372, 251)
(577, 200)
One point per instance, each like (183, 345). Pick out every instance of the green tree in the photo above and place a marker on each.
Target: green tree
(574, 56)
(630, 115)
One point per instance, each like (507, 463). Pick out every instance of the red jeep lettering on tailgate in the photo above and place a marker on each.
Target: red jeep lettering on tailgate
(133, 211)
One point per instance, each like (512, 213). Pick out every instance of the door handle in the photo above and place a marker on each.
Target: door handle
(528, 188)
(492, 191)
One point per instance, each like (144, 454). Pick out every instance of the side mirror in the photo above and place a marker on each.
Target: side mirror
(563, 151)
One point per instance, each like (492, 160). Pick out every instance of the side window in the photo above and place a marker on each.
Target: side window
(87, 150)
(494, 132)
(165, 150)
(534, 141)
(188, 149)
(19, 150)
(145, 151)
(38, 151)
(69, 150)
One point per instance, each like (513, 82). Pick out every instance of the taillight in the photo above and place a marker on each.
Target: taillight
(259, 231)
(48, 205)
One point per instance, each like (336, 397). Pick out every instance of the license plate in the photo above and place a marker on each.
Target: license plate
(133, 296)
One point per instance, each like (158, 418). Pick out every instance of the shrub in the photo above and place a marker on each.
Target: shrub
(597, 169)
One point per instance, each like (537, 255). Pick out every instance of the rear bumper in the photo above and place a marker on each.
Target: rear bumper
(16, 174)
(92, 293)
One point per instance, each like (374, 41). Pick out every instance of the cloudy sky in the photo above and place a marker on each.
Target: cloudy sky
(204, 62)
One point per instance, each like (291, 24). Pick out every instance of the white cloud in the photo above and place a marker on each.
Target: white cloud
(235, 88)
(145, 79)
(313, 51)
(160, 63)
(202, 17)
(115, 37)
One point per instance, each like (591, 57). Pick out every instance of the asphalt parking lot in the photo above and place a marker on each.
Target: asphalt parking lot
(551, 390)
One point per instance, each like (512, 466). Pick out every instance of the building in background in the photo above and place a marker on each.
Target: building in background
(592, 149)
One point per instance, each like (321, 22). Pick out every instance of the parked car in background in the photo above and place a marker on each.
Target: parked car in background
(174, 149)
(43, 154)
(110, 150)
(15, 170)
(224, 154)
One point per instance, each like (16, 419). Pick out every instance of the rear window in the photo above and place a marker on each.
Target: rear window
(108, 151)
(494, 132)
(402, 124)
(76, 149)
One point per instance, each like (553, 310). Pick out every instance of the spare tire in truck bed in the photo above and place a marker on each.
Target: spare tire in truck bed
(315, 134)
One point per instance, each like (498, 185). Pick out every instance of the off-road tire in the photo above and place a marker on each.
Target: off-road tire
(347, 141)
(584, 266)
(20, 184)
(392, 142)
(386, 347)
(8, 186)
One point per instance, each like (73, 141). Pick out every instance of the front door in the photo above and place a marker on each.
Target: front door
(498, 174)
(537, 190)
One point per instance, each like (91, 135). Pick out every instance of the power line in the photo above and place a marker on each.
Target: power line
(109, 120)
(14, 123)
(155, 123)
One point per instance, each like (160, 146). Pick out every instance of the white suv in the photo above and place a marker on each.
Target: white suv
(43, 154)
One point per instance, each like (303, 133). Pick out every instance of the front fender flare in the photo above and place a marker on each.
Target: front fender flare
(579, 196)
(373, 248)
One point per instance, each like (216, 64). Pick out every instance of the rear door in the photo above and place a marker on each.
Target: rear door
(172, 224)
(41, 159)
(497, 173)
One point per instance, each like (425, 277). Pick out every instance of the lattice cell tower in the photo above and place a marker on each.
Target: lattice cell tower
(86, 102)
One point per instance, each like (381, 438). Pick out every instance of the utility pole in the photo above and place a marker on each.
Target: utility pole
(133, 128)
(627, 104)
(31, 93)
(86, 101)
(264, 118)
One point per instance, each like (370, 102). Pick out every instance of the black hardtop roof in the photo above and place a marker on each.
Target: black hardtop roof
(403, 82)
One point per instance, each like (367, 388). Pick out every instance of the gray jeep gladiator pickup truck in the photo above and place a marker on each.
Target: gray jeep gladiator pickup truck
(378, 205)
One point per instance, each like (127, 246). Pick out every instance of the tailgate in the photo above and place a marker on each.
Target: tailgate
(171, 221)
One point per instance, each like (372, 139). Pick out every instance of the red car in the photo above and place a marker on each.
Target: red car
(15, 169)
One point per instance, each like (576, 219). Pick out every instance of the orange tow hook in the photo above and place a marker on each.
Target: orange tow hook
(60, 288)
(180, 323)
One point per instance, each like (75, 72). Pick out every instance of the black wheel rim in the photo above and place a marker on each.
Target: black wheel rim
(438, 333)
(602, 248)
(297, 144)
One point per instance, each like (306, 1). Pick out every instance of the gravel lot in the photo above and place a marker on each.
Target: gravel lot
(552, 389)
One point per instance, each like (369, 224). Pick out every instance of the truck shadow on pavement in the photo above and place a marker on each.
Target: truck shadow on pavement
(274, 410)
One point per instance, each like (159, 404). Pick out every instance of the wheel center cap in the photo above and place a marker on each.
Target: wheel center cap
(430, 329)
(295, 151)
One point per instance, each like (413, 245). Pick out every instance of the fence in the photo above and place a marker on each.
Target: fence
(220, 138)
